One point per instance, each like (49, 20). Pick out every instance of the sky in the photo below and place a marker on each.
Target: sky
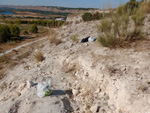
(66, 3)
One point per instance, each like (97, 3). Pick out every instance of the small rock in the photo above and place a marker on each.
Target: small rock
(94, 108)
(69, 84)
(101, 94)
(97, 91)
(62, 78)
(30, 84)
(75, 92)
(21, 87)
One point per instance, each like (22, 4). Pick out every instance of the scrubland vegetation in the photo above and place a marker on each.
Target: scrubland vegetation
(124, 26)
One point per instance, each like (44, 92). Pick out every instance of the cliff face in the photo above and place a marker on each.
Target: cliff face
(101, 79)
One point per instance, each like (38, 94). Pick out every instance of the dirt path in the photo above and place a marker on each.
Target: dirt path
(26, 44)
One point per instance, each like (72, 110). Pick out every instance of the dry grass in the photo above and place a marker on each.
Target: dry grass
(146, 7)
(39, 57)
(143, 87)
(53, 39)
(68, 22)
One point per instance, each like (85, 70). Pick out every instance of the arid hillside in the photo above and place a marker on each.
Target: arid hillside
(85, 77)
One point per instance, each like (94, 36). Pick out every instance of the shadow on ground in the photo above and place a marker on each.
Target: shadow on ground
(61, 92)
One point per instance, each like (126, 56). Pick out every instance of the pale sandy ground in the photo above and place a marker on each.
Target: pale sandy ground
(101, 79)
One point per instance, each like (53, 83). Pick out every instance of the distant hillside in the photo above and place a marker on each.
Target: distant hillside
(46, 8)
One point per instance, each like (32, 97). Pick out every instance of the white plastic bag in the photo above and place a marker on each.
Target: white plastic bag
(91, 39)
(44, 88)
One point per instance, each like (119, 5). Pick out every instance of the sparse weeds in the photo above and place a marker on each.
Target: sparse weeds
(74, 38)
(4, 59)
(39, 57)
(24, 55)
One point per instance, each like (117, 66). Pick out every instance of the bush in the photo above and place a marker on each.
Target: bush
(15, 31)
(15, 38)
(4, 33)
(87, 16)
(34, 29)
(130, 6)
(96, 16)
(25, 33)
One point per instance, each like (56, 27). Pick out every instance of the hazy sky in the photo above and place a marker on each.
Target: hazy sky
(66, 3)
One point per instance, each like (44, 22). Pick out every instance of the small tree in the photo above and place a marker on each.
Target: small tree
(4, 33)
(34, 28)
(87, 16)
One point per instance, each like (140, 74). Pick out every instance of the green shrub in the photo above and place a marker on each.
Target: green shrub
(25, 33)
(15, 31)
(34, 29)
(15, 38)
(96, 16)
(116, 32)
(4, 33)
(87, 16)
(131, 6)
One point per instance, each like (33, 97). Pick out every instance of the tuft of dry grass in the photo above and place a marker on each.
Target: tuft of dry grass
(53, 39)
(143, 87)
(39, 57)
(68, 22)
